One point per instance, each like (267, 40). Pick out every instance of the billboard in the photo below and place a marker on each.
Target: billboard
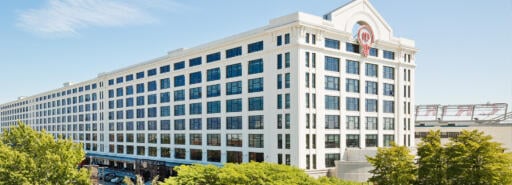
(461, 112)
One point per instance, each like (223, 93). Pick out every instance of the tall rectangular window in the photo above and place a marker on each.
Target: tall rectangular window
(233, 52)
(389, 72)
(389, 89)
(194, 62)
(371, 87)
(389, 106)
(287, 80)
(352, 67)
(255, 66)
(233, 70)
(352, 85)
(279, 61)
(254, 47)
(195, 78)
(287, 38)
(352, 104)
(279, 81)
(287, 101)
(287, 59)
(279, 40)
(213, 57)
(371, 70)
(332, 64)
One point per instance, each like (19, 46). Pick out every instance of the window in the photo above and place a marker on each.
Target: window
(152, 112)
(179, 95)
(352, 104)
(213, 90)
(234, 157)
(179, 153)
(256, 140)
(165, 111)
(256, 122)
(152, 72)
(332, 64)
(389, 106)
(374, 52)
(234, 140)
(179, 124)
(371, 123)
(234, 88)
(213, 139)
(354, 48)
(332, 141)
(352, 67)
(371, 140)
(371, 105)
(255, 66)
(279, 81)
(165, 152)
(353, 122)
(179, 81)
(140, 100)
(233, 70)
(255, 85)
(287, 38)
(179, 110)
(152, 99)
(352, 85)
(331, 43)
(213, 123)
(213, 74)
(352, 140)
(279, 40)
(332, 121)
(253, 47)
(140, 88)
(389, 72)
(287, 60)
(165, 125)
(332, 83)
(389, 89)
(179, 65)
(371, 87)
(165, 83)
(118, 81)
(195, 93)
(111, 82)
(152, 125)
(389, 55)
(330, 159)
(388, 139)
(371, 70)
(287, 80)
(165, 69)
(233, 52)
(332, 102)
(287, 141)
(119, 92)
(152, 86)
(255, 103)
(129, 90)
(213, 57)
(279, 61)
(195, 78)
(234, 122)
(287, 101)
(179, 139)
(234, 105)
(195, 124)
(194, 62)
(213, 107)
(165, 97)
(279, 101)
(129, 77)
(195, 108)
(389, 124)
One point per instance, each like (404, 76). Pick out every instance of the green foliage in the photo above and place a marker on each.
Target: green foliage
(29, 157)
(393, 165)
(252, 173)
(432, 160)
(474, 159)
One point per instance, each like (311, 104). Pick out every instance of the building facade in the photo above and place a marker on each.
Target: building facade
(300, 91)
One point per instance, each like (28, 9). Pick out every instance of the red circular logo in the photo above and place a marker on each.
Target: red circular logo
(365, 39)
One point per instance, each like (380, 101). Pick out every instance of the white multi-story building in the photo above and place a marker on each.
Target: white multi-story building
(302, 90)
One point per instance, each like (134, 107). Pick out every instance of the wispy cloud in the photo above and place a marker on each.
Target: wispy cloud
(67, 17)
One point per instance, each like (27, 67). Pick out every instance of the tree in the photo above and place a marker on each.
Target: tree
(432, 160)
(473, 159)
(393, 165)
(30, 157)
(246, 173)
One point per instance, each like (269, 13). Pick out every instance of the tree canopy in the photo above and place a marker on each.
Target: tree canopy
(252, 173)
(393, 165)
(432, 160)
(36, 158)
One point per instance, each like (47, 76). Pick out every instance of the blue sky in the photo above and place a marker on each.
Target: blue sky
(465, 46)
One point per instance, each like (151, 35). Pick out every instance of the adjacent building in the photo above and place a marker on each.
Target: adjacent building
(304, 90)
